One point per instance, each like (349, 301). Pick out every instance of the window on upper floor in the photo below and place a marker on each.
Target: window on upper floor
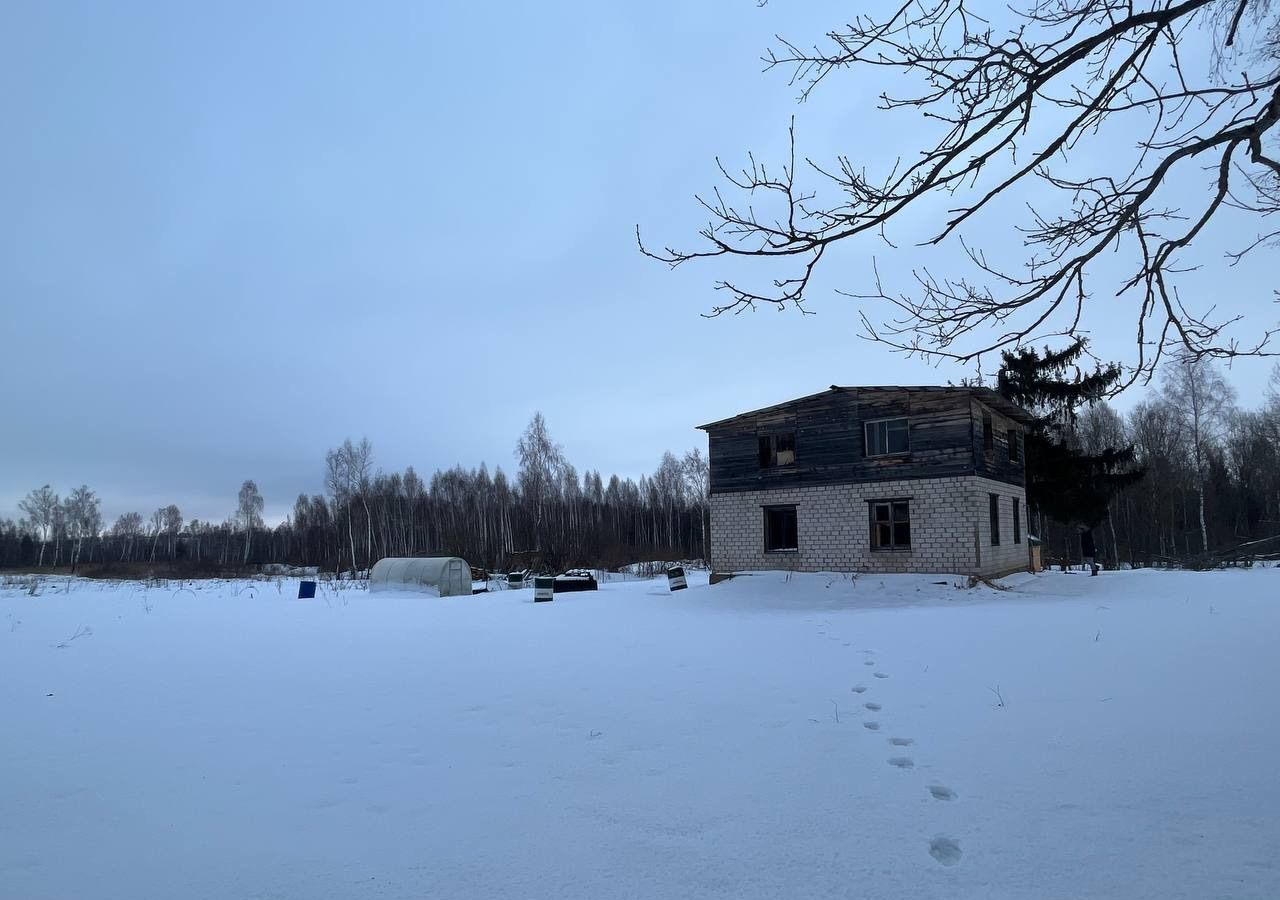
(886, 436)
(777, 449)
(780, 529)
(1015, 445)
(891, 525)
(988, 435)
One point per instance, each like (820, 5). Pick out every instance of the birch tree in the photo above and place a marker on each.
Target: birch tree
(83, 519)
(41, 506)
(339, 482)
(1202, 401)
(541, 462)
(126, 529)
(157, 529)
(360, 466)
(172, 525)
(697, 476)
(248, 513)
(1098, 429)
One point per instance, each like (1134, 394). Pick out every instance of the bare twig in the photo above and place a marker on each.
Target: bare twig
(82, 631)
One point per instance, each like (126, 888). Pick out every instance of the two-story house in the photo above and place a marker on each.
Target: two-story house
(872, 479)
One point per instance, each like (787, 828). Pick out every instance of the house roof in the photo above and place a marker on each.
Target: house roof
(984, 394)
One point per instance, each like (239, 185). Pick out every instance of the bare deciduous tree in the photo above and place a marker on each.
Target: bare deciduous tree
(248, 513)
(172, 525)
(41, 506)
(127, 528)
(82, 518)
(360, 464)
(1098, 429)
(348, 470)
(697, 477)
(1202, 400)
(1041, 109)
(541, 463)
(1154, 430)
(157, 529)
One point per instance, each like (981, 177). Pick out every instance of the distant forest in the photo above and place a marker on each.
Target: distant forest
(1211, 483)
(547, 516)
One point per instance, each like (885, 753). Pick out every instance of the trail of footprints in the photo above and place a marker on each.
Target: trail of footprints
(945, 850)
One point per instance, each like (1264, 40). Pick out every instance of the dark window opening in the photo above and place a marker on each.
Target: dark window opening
(993, 510)
(777, 450)
(1015, 445)
(780, 531)
(891, 525)
(1017, 522)
(888, 436)
(988, 435)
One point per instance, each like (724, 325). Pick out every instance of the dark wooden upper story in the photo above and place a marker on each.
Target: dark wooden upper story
(856, 434)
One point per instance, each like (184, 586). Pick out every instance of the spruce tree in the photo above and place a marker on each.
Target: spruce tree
(1063, 482)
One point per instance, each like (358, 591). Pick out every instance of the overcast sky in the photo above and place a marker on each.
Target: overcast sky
(233, 234)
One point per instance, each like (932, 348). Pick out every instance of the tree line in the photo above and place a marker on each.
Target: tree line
(1187, 476)
(546, 516)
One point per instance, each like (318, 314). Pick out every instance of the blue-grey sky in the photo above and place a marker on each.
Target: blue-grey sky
(233, 234)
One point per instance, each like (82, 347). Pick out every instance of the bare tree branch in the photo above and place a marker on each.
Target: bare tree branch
(1063, 74)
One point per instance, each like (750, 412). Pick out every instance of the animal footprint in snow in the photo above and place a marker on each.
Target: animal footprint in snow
(941, 792)
(869, 662)
(874, 707)
(871, 726)
(902, 762)
(902, 742)
(945, 850)
(858, 688)
(879, 674)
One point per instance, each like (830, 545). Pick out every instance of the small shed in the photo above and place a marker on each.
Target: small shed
(449, 576)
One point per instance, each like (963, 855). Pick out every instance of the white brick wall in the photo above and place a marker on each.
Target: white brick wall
(948, 521)
(1008, 556)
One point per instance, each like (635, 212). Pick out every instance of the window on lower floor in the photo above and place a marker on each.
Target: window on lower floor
(890, 525)
(780, 531)
(993, 511)
(1017, 521)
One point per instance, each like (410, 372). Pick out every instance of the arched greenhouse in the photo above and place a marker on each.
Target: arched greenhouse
(448, 576)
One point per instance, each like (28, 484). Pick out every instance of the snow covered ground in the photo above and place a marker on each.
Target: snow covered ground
(765, 738)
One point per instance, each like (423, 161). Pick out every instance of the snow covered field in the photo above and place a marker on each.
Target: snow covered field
(765, 738)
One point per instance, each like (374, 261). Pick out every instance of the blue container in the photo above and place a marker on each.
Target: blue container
(306, 590)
